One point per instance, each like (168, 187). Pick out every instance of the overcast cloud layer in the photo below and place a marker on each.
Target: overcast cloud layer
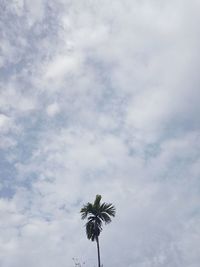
(100, 97)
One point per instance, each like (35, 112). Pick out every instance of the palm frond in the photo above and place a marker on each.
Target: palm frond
(92, 230)
(97, 201)
(108, 208)
(86, 210)
(105, 217)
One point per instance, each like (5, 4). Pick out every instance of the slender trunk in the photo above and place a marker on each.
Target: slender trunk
(98, 251)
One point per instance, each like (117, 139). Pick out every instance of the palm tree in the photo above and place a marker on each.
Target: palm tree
(96, 213)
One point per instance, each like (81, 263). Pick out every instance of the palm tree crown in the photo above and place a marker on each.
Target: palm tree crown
(96, 213)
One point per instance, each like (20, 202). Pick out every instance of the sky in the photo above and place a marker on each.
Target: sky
(99, 97)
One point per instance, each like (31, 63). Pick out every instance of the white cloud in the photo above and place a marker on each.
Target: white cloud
(123, 80)
(35, 11)
(62, 65)
(53, 109)
(5, 123)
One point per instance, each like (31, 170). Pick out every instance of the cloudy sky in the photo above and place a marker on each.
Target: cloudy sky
(100, 97)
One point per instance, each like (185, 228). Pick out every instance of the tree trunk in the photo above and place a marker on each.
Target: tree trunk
(98, 251)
